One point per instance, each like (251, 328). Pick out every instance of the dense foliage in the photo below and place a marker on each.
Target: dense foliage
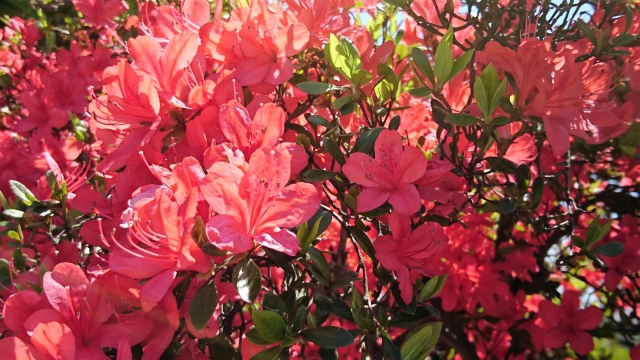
(253, 179)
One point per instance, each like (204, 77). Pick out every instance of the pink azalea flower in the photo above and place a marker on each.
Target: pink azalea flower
(256, 205)
(568, 323)
(388, 176)
(405, 250)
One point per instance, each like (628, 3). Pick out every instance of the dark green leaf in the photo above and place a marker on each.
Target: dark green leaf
(507, 205)
(341, 309)
(421, 60)
(269, 354)
(367, 140)
(317, 175)
(254, 336)
(275, 303)
(363, 240)
(536, 192)
(247, 278)
(409, 320)
(328, 354)
(586, 30)
(328, 337)
(461, 119)
(269, 324)
(394, 124)
(420, 92)
(319, 261)
(390, 350)
(340, 102)
(612, 248)
(203, 305)
(316, 88)
(334, 150)
(18, 259)
(220, 348)
(500, 120)
(577, 241)
(319, 120)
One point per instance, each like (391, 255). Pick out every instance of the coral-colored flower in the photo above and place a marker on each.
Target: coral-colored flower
(388, 176)
(257, 205)
(159, 241)
(405, 250)
(100, 12)
(568, 323)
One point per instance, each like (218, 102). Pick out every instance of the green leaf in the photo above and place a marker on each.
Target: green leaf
(507, 205)
(419, 342)
(367, 140)
(275, 303)
(536, 192)
(394, 124)
(343, 55)
(390, 350)
(363, 240)
(361, 316)
(316, 88)
(461, 119)
(420, 92)
(577, 241)
(623, 39)
(422, 62)
(490, 81)
(319, 261)
(480, 94)
(17, 214)
(349, 50)
(586, 30)
(269, 324)
(328, 337)
(328, 354)
(254, 336)
(22, 193)
(500, 120)
(443, 60)
(497, 95)
(247, 278)
(203, 305)
(340, 102)
(612, 248)
(595, 232)
(460, 63)
(432, 287)
(334, 150)
(18, 259)
(318, 175)
(269, 354)
(319, 223)
(361, 77)
(319, 120)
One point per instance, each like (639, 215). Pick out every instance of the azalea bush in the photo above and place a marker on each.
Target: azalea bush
(320, 179)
